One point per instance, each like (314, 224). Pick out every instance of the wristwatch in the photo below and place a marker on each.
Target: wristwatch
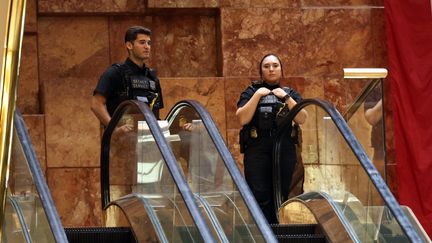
(286, 97)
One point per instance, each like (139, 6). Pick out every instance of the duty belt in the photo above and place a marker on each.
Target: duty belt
(261, 133)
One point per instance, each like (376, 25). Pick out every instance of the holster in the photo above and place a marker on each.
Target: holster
(244, 138)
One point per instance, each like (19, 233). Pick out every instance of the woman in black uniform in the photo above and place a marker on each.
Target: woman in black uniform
(258, 109)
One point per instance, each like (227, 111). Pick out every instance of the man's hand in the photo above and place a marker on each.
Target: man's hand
(123, 129)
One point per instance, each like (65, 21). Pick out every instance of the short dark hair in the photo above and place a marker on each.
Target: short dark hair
(262, 60)
(133, 31)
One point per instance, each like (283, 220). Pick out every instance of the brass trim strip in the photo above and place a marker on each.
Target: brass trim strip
(9, 76)
(358, 73)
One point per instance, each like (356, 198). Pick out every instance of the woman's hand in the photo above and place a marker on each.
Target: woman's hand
(263, 91)
(279, 92)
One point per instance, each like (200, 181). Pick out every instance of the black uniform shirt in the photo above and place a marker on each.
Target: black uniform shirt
(113, 85)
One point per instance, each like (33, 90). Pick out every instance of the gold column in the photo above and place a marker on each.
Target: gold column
(11, 42)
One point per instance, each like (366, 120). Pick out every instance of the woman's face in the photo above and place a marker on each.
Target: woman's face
(271, 70)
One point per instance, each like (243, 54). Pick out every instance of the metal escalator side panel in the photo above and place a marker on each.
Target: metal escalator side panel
(28, 186)
(312, 207)
(139, 220)
(210, 168)
(336, 164)
(126, 166)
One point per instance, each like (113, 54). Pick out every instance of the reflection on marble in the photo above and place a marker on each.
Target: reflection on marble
(336, 39)
(259, 3)
(234, 86)
(76, 194)
(94, 6)
(69, 73)
(208, 91)
(379, 39)
(249, 34)
(28, 84)
(36, 128)
(184, 46)
(182, 4)
(336, 179)
(30, 17)
(337, 3)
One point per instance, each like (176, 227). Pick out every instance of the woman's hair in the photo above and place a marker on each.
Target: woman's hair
(262, 60)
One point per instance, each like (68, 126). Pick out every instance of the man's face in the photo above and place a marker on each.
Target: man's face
(271, 69)
(140, 48)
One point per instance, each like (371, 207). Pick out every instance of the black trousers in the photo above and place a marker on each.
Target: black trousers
(258, 168)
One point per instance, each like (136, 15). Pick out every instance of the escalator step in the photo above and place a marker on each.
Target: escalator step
(306, 238)
(288, 229)
(100, 234)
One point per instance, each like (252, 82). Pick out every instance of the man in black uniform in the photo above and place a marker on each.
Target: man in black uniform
(131, 80)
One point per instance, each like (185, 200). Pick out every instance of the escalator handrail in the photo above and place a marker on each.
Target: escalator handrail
(230, 164)
(39, 181)
(358, 151)
(361, 98)
(21, 219)
(167, 156)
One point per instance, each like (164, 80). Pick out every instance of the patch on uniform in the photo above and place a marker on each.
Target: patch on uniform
(253, 133)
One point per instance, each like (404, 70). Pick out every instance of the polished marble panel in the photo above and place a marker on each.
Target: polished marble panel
(336, 39)
(28, 84)
(76, 194)
(30, 24)
(249, 34)
(94, 6)
(184, 46)
(36, 128)
(183, 4)
(208, 91)
(69, 73)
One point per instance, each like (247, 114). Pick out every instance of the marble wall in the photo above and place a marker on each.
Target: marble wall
(203, 50)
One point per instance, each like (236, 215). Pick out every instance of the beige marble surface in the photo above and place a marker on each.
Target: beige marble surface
(76, 194)
(28, 98)
(36, 128)
(69, 73)
(95, 6)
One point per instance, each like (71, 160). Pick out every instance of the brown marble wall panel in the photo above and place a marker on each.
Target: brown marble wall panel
(392, 180)
(76, 194)
(117, 29)
(30, 24)
(95, 6)
(36, 128)
(183, 4)
(233, 88)
(259, 3)
(337, 3)
(379, 39)
(336, 39)
(234, 147)
(249, 34)
(184, 46)
(73, 52)
(208, 91)
(28, 85)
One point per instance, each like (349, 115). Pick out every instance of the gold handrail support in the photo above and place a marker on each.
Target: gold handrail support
(372, 73)
(12, 20)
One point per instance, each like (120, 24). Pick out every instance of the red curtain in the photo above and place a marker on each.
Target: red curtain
(409, 41)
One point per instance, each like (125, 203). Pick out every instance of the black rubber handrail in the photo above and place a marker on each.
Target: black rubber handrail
(230, 164)
(39, 180)
(358, 151)
(167, 156)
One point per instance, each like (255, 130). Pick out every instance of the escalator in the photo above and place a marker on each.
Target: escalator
(140, 190)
